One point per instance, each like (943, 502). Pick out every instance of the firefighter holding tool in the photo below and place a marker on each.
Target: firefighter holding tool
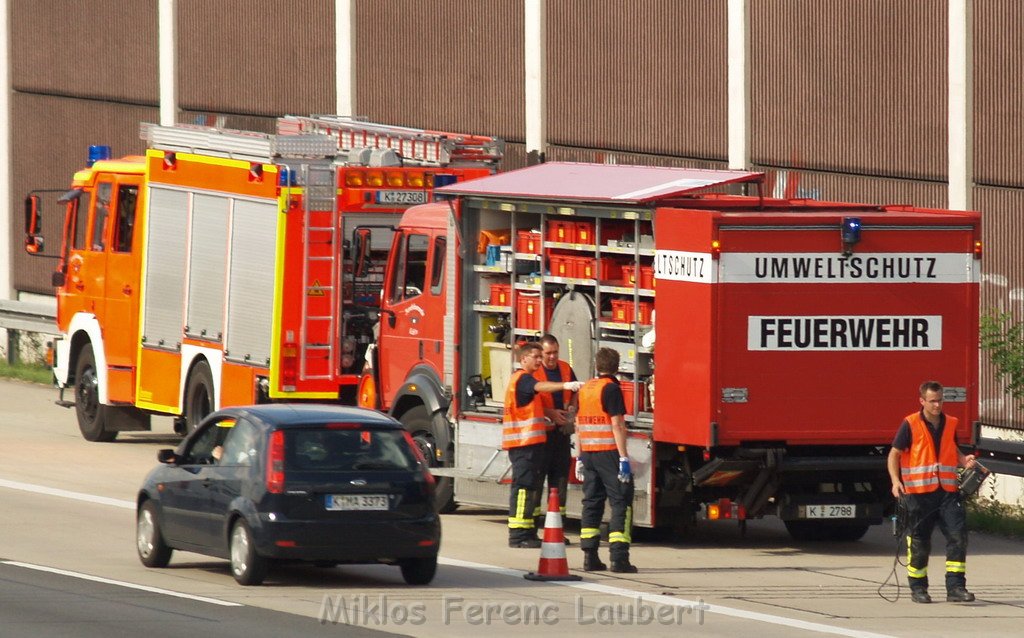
(923, 465)
(524, 435)
(604, 467)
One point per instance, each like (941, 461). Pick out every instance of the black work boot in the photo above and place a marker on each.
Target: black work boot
(524, 543)
(959, 595)
(623, 566)
(919, 595)
(591, 562)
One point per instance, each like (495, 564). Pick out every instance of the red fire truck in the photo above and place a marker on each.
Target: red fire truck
(792, 334)
(211, 272)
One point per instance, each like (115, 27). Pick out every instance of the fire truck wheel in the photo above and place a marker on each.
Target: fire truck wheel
(814, 531)
(92, 415)
(418, 422)
(198, 396)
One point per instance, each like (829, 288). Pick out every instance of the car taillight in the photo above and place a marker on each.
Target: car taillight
(289, 366)
(418, 453)
(275, 463)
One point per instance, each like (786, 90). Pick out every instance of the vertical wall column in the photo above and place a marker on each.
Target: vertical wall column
(536, 74)
(167, 45)
(738, 57)
(961, 105)
(345, 57)
(6, 170)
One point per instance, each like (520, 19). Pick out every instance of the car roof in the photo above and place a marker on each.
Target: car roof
(285, 415)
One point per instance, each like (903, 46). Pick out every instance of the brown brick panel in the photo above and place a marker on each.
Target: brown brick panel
(998, 101)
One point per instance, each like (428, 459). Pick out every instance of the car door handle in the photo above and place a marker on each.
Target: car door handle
(127, 289)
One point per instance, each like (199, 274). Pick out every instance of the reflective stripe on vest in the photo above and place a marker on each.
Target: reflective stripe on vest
(522, 426)
(920, 471)
(593, 425)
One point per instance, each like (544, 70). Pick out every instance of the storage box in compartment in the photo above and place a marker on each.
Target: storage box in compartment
(562, 231)
(631, 388)
(501, 295)
(528, 241)
(623, 312)
(562, 265)
(528, 312)
(584, 232)
(646, 276)
(605, 269)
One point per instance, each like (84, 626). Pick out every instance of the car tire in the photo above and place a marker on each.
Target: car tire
(149, 539)
(419, 571)
(418, 422)
(198, 396)
(248, 567)
(92, 415)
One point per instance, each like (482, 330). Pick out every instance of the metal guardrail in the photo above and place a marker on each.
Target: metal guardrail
(28, 316)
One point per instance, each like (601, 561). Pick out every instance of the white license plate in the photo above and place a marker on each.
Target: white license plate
(830, 511)
(357, 502)
(403, 198)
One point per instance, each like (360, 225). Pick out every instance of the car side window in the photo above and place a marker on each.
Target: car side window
(240, 444)
(201, 451)
(99, 218)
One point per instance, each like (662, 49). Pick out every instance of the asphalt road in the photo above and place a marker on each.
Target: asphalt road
(68, 506)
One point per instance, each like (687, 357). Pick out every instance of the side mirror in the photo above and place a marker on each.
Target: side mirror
(166, 456)
(361, 251)
(33, 220)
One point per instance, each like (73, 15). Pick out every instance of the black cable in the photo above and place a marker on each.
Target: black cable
(901, 530)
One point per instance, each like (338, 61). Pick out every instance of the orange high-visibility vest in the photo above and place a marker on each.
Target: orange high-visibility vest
(546, 398)
(522, 425)
(920, 471)
(593, 424)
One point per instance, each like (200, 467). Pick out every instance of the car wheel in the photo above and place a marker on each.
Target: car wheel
(247, 566)
(198, 396)
(153, 551)
(419, 571)
(418, 422)
(92, 415)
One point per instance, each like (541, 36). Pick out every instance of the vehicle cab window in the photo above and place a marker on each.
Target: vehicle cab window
(79, 220)
(127, 196)
(99, 217)
(410, 275)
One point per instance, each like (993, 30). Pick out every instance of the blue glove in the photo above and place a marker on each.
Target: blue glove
(625, 471)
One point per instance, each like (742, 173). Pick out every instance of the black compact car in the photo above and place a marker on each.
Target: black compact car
(289, 482)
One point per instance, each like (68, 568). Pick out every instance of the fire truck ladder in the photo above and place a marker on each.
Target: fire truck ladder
(321, 192)
(417, 147)
(242, 145)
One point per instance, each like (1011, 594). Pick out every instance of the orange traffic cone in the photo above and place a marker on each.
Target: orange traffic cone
(553, 564)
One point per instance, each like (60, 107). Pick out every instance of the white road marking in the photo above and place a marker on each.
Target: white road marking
(121, 583)
(76, 496)
(493, 569)
(675, 602)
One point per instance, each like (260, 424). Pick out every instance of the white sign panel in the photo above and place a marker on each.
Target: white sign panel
(814, 268)
(856, 332)
(679, 265)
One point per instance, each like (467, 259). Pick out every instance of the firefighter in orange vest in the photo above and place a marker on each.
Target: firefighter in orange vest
(923, 467)
(523, 435)
(559, 408)
(604, 466)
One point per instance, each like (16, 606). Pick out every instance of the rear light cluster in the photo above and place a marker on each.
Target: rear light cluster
(725, 508)
(427, 476)
(275, 463)
(380, 178)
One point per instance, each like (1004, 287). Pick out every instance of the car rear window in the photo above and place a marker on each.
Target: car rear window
(350, 449)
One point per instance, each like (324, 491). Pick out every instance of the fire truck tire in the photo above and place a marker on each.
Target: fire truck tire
(198, 396)
(815, 531)
(92, 415)
(419, 424)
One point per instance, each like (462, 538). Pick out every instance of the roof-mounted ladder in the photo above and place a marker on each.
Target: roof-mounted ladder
(234, 144)
(416, 146)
